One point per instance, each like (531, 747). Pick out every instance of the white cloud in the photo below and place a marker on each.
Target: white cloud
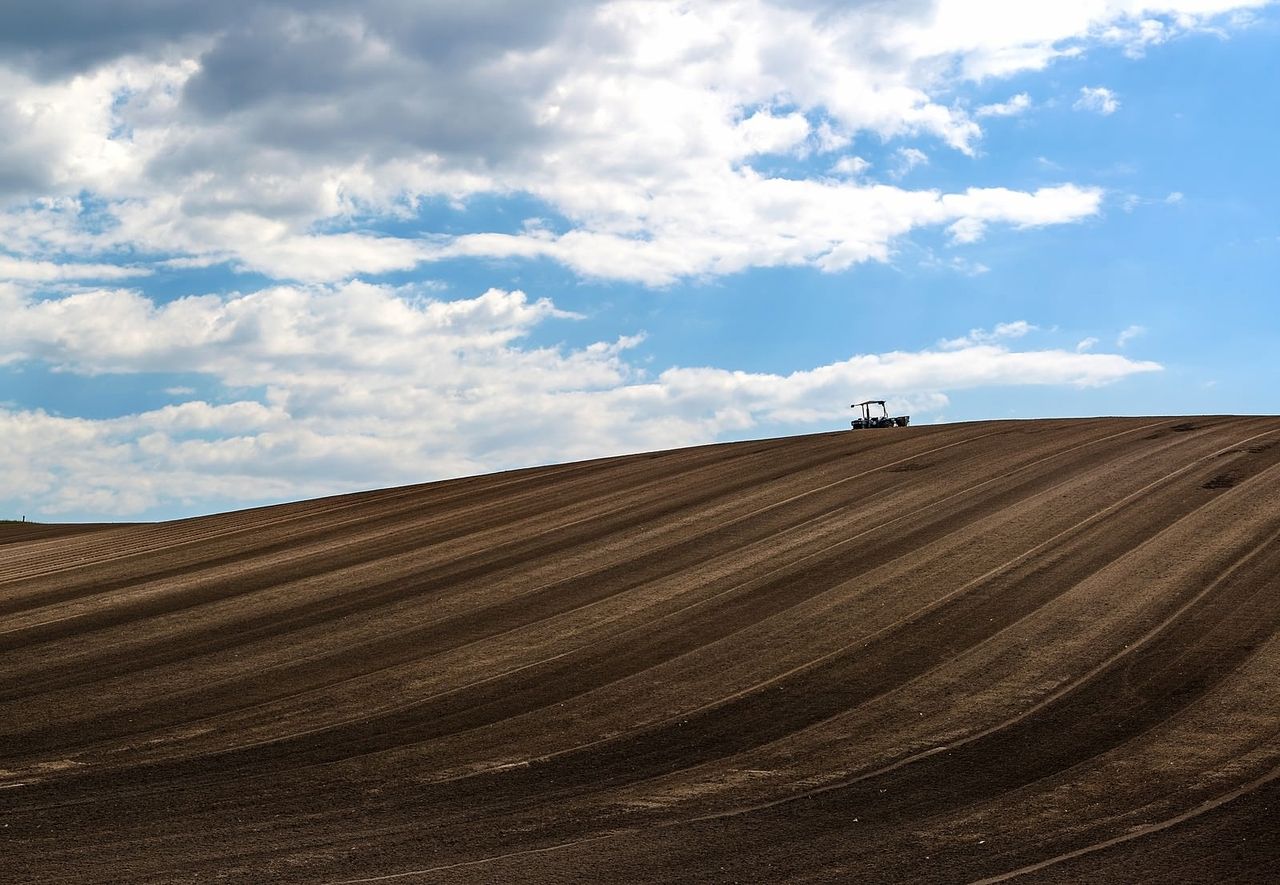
(1086, 344)
(262, 140)
(1134, 201)
(851, 166)
(1097, 99)
(764, 133)
(906, 159)
(20, 270)
(1016, 105)
(999, 332)
(976, 208)
(957, 264)
(771, 222)
(828, 138)
(1129, 334)
(370, 385)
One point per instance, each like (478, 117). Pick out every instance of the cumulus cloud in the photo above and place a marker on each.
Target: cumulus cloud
(975, 209)
(260, 135)
(368, 385)
(1098, 100)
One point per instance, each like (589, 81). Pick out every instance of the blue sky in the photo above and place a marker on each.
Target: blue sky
(265, 251)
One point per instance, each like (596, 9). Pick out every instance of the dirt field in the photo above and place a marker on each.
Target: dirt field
(1047, 650)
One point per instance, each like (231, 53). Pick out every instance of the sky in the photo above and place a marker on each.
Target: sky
(258, 252)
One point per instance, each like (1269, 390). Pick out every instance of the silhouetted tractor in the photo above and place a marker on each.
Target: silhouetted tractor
(882, 420)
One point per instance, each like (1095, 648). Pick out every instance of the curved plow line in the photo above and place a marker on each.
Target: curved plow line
(400, 707)
(926, 609)
(1145, 639)
(1146, 830)
(513, 670)
(191, 538)
(393, 497)
(296, 556)
(530, 518)
(1152, 828)
(759, 578)
(888, 628)
(472, 863)
(584, 573)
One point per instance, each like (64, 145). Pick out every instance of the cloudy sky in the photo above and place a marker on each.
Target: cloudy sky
(257, 251)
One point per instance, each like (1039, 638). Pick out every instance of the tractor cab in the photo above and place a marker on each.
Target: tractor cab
(869, 419)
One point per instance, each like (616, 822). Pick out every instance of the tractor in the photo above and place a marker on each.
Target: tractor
(882, 420)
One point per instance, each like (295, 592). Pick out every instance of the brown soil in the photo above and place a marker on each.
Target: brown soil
(12, 532)
(1046, 650)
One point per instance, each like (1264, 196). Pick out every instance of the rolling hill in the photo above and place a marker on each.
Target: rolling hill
(1043, 650)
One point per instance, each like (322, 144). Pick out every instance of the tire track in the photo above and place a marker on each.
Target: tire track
(1267, 781)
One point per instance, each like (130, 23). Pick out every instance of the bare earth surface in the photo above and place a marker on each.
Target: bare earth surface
(1045, 650)
(13, 532)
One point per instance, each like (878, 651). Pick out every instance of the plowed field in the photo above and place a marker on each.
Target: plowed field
(1043, 650)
